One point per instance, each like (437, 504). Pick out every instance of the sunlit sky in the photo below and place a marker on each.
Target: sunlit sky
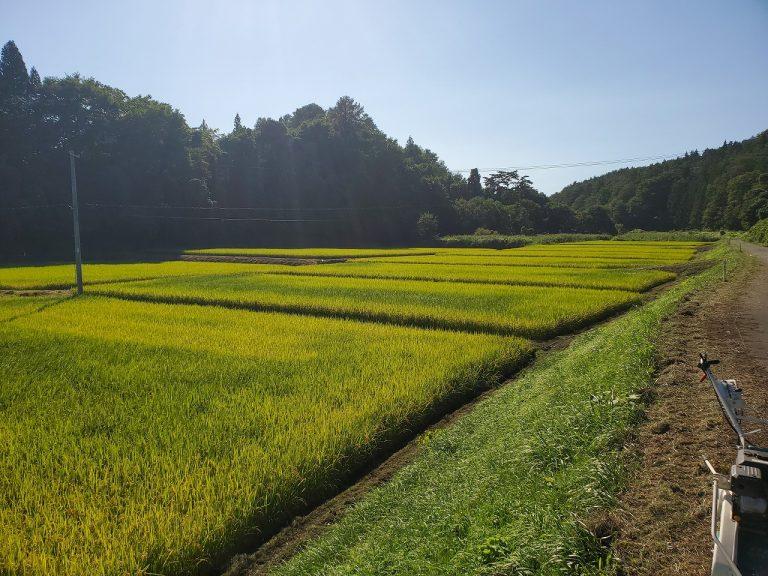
(490, 84)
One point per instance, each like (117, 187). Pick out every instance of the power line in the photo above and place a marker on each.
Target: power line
(225, 209)
(38, 207)
(576, 164)
(220, 219)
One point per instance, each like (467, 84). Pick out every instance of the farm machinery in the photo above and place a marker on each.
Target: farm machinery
(739, 524)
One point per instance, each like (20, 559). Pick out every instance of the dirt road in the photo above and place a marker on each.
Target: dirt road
(662, 523)
(754, 307)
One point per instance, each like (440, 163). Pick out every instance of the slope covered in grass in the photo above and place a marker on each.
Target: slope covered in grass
(147, 438)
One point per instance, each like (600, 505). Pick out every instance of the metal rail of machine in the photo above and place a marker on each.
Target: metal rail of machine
(739, 526)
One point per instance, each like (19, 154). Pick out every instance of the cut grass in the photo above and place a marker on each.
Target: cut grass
(616, 279)
(61, 276)
(312, 252)
(145, 438)
(532, 312)
(513, 487)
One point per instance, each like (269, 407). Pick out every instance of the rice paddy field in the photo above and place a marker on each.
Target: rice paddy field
(178, 410)
(575, 260)
(63, 276)
(615, 279)
(530, 311)
(311, 252)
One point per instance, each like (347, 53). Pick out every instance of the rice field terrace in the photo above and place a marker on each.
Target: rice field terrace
(62, 276)
(617, 279)
(180, 409)
(311, 252)
(576, 260)
(150, 437)
(530, 311)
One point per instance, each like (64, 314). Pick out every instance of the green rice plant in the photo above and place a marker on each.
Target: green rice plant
(616, 279)
(62, 276)
(12, 307)
(512, 258)
(529, 311)
(512, 487)
(146, 438)
(312, 252)
(614, 250)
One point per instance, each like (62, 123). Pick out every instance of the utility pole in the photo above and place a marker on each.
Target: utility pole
(76, 222)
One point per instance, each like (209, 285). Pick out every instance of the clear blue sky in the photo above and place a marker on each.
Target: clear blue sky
(488, 84)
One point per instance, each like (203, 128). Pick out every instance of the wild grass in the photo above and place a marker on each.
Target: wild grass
(529, 311)
(62, 276)
(515, 486)
(146, 438)
(616, 279)
(312, 252)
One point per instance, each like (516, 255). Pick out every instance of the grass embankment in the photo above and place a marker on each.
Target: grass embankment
(529, 311)
(511, 487)
(147, 438)
(616, 279)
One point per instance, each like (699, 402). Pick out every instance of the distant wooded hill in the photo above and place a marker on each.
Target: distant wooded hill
(726, 187)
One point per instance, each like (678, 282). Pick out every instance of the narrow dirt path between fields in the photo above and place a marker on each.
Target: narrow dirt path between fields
(35, 292)
(662, 523)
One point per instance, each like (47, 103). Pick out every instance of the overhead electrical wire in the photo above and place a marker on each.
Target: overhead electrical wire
(255, 209)
(576, 164)
(37, 207)
(224, 219)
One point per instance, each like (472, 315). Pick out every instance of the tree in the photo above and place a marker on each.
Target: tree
(238, 123)
(347, 117)
(427, 226)
(14, 79)
(35, 84)
(474, 187)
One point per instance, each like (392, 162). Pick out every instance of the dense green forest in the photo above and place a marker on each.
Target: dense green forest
(147, 180)
(722, 188)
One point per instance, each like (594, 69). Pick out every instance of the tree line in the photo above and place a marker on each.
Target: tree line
(316, 176)
(721, 188)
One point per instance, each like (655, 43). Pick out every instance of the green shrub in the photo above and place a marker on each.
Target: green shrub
(758, 233)
(484, 238)
(670, 235)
